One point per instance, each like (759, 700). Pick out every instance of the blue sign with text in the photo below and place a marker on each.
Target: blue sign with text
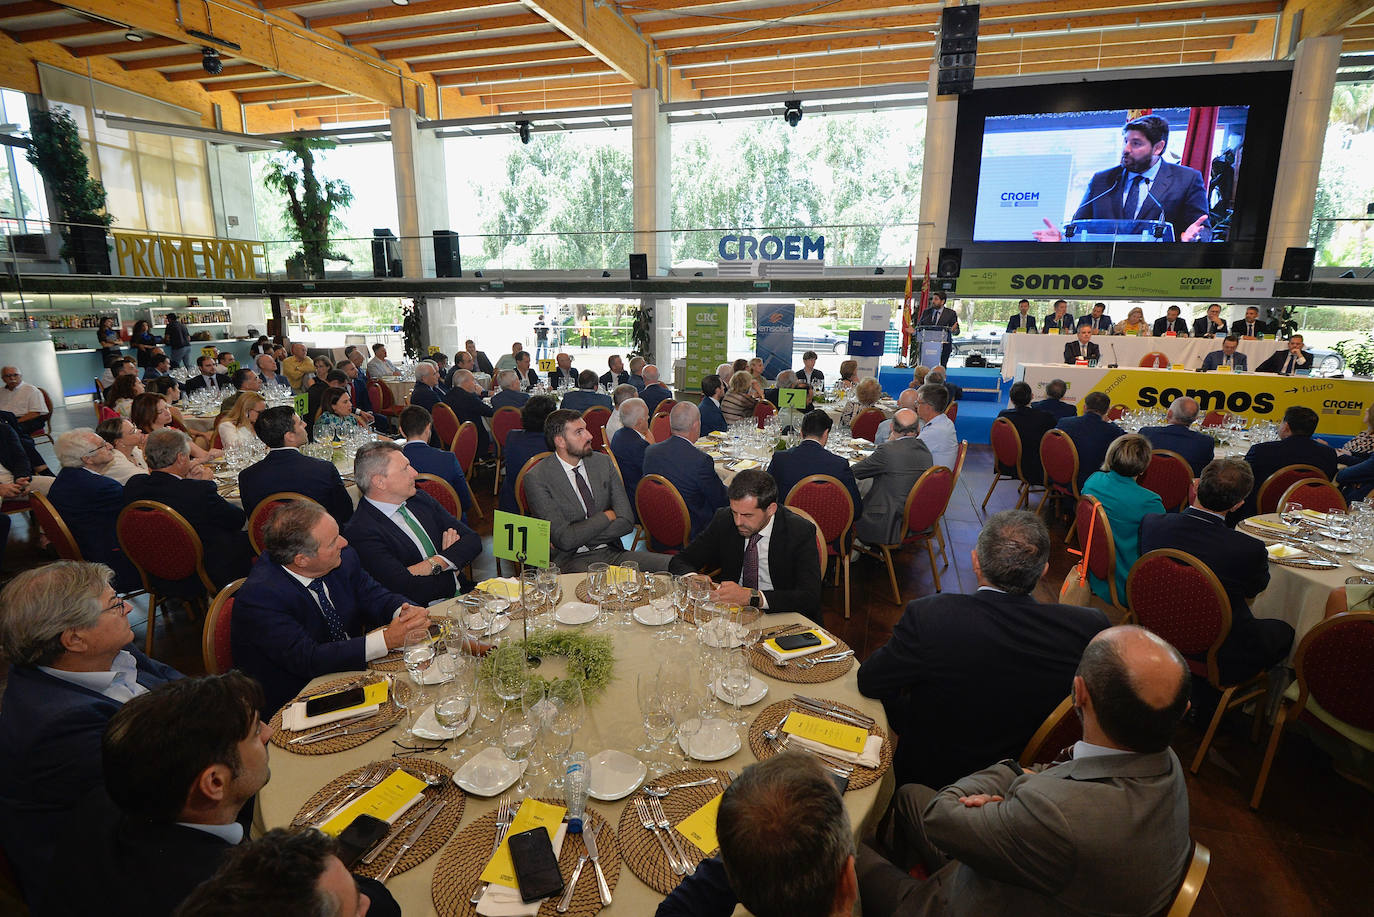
(866, 343)
(737, 247)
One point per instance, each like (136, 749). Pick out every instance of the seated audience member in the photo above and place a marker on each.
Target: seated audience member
(117, 368)
(724, 371)
(427, 392)
(66, 638)
(127, 459)
(1170, 323)
(224, 362)
(766, 553)
(1083, 347)
(1228, 355)
(585, 395)
(337, 419)
(308, 608)
(461, 360)
(578, 491)
(1031, 425)
(619, 396)
(160, 366)
(508, 394)
(417, 427)
(1125, 502)
(637, 365)
(1133, 324)
(563, 375)
(465, 398)
(937, 430)
(262, 345)
(786, 380)
(1177, 436)
(939, 376)
(849, 374)
(324, 379)
(811, 457)
(285, 469)
(529, 379)
(1288, 360)
(1238, 560)
(190, 490)
(297, 367)
(1210, 325)
(527, 442)
(616, 373)
(1356, 481)
(1053, 403)
(738, 403)
(1091, 433)
(206, 378)
(895, 467)
(1361, 446)
(1022, 321)
(1060, 321)
(812, 377)
(711, 407)
(152, 411)
(688, 468)
(17, 458)
(379, 365)
(1098, 320)
(22, 400)
(245, 380)
(906, 399)
(236, 429)
(1103, 833)
(1252, 327)
(355, 355)
(89, 503)
(480, 361)
(755, 369)
(268, 373)
(119, 396)
(175, 805)
(653, 391)
(1295, 446)
(505, 361)
(405, 540)
(786, 847)
(866, 394)
(362, 400)
(997, 650)
(629, 444)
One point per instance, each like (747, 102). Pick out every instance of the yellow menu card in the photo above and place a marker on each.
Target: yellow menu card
(700, 826)
(826, 732)
(386, 800)
(532, 814)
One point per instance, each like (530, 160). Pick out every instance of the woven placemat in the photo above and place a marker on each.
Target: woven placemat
(456, 875)
(641, 851)
(386, 718)
(748, 616)
(435, 836)
(825, 671)
(619, 604)
(773, 714)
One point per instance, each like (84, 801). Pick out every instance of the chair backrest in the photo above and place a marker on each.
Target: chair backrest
(821, 548)
(1191, 885)
(827, 503)
(257, 520)
(1314, 493)
(926, 502)
(762, 411)
(464, 446)
(596, 418)
(1006, 446)
(959, 460)
(659, 430)
(51, 523)
(1059, 458)
(1214, 419)
(952, 411)
(442, 491)
(1116, 412)
(161, 543)
(215, 647)
(865, 426)
(216, 441)
(379, 394)
(1333, 663)
(504, 421)
(1267, 500)
(47, 400)
(1101, 549)
(1156, 358)
(445, 424)
(1175, 595)
(663, 513)
(1060, 730)
(1170, 476)
(664, 406)
(520, 499)
(105, 413)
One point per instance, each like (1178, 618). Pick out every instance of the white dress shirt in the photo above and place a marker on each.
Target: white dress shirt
(374, 645)
(119, 683)
(22, 399)
(765, 539)
(231, 834)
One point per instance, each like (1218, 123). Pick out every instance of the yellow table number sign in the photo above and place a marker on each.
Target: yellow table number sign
(547, 366)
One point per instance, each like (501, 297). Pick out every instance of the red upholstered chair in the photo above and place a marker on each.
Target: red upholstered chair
(257, 521)
(1313, 493)
(1116, 412)
(596, 418)
(659, 431)
(215, 648)
(383, 402)
(1175, 595)
(1061, 729)
(445, 425)
(53, 528)
(1059, 457)
(865, 425)
(1214, 419)
(664, 406)
(820, 540)
(1277, 484)
(1333, 693)
(104, 413)
(1170, 476)
(168, 554)
(952, 412)
(1155, 358)
(442, 491)
(520, 499)
(464, 448)
(1006, 461)
(828, 504)
(43, 432)
(1102, 550)
(503, 422)
(925, 506)
(762, 411)
(663, 513)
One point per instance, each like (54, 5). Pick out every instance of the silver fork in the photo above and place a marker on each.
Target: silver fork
(505, 813)
(656, 809)
(380, 773)
(353, 785)
(648, 822)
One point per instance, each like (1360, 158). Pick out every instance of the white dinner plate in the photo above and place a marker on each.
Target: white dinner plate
(614, 775)
(715, 741)
(652, 617)
(427, 726)
(758, 690)
(575, 613)
(488, 772)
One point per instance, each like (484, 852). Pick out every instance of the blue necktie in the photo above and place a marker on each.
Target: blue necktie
(331, 614)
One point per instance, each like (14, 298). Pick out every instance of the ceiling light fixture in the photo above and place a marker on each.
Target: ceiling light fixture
(132, 36)
(792, 112)
(523, 129)
(401, 2)
(209, 59)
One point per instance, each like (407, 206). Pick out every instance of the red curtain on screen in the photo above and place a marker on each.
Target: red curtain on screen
(1197, 145)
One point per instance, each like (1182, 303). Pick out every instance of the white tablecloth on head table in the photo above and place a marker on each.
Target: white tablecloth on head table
(1124, 350)
(612, 722)
(400, 391)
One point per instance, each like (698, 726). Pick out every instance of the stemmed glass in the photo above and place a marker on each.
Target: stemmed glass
(599, 589)
(735, 679)
(531, 599)
(661, 601)
(496, 605)
(657, 716)
(519, 732)
(562, 724)
(510, 672)
(489, 704)
(535, 702)
(548, 585)
(454, 705)
(680, 602)
(627, 584)
(418, 654)
(1291, 514)
(698, 592)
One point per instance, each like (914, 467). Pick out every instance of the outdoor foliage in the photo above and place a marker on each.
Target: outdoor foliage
(1346, 183)
(312, 204)
(55, 151)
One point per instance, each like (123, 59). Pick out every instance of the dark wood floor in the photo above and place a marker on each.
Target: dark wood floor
(1306, 852)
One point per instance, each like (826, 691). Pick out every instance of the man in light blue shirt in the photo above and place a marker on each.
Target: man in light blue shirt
(907, 399)
(937, 430)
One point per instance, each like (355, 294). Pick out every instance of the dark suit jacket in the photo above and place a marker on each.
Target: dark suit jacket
(521, 446)
(1073, 350)
(552, 497)
(1014, 323)
(1241, 328)
(357, 390)
(711, 417)
(385, 551)
(613, 379)
(505, 398)
(425, 459)
(1266, 458)
(1091, 435)
(1177, 195)
(1161, 325)
(1238, 560)
(693, 473)
(1196, 448)
(200, 381)
(947, 318)
(1217, 358)
(1008, 656)
(1067, 325)
(557, 376)
(427, 396)
(89, 503)
(579, 400)
(895, 467)
(12, 454)
(816, 379)
(810, 457)
(50, 733)
(793, 564)
(218, 522)
(287, 469)
(629, 448)
(653, 394)
(483, 363)
(1032, 424)
(1277, 362)
(638, 381)
(274, 379)
(1202, 327)
(1102, 323)
(1056, 409)
(279, 635)
(468, 407)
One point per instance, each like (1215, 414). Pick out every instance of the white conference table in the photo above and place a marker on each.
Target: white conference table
(1124, 350)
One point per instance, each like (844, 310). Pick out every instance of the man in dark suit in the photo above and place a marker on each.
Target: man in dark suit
(809, 374)
(465, 398)
(766, 554)
(308, 608)
(1170, 322)
(427, 392)
(712, 419)
(1228, 355)
(1083, 348)
(89, 503)
(1238, 560)
(686, 467)
(616, 374)
(1252, 326)
(1210, 325)
(997, 650)
(285, 469)
(653, 391)
(585, 395)
(190, 490)
(267, 371)
(367, 410)
(1053, 403)
(563, 374)
(629, 445)
(1022, 320)
(1295, 446)
(404, 538)
(811, 457)
(1289, 360)
(528, 377)
(1196, 448)
(637, 365)
(67, 640)
(1091, 433)
(417, 426)
(895, 467)
(1031, 424)
(937, 314)
(508, 393)
(480, 361)
(1060, 321)
(1098, 319)
(206, 378)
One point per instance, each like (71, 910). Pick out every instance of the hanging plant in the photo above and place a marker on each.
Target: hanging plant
(641, 333)
(412, 328)
(55, 151)
(313, 204)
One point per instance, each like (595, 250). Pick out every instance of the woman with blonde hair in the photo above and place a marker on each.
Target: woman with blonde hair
(236, 427)
(1133, 323)
(918, 376)
(866, 394)
(740, 399)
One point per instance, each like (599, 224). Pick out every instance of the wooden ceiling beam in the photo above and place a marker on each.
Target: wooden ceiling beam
(491, 61)
(512, 97)
(157, 63)
(800, 49)
(604, 33)
(587, 85)
(390, 12)
(516, 74)
(104, 49)
(27, 8)
(795, 13)
(302, 93)
(199, 74)
(445, 29)
(1325, 17)
(82, 29)
(448, 48)
(269, 81)
(365, 108)
(889, 73)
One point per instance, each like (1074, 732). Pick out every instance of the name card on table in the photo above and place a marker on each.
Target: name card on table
(826, 732)
(515, 538)
(700, 826)
(792, 398)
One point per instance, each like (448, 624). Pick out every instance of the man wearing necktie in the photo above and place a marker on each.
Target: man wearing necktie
(1250, 327)
(1290, 360)
(1060, 320)
(1228, 355)
(938, 314)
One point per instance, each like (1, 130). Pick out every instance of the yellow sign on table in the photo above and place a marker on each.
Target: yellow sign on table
(826, 732)
(386, 800)
(700, 826)
(532, 814)
(547, 365)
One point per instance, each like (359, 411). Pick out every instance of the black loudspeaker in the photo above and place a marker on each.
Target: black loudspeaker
(639, 266)
(447, 261)
(1297, 265)
(947, 265)
(386, 254)
(957, 54)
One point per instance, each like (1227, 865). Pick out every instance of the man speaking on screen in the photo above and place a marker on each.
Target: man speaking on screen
(1144, 187)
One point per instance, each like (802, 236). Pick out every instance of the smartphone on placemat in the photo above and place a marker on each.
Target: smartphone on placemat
(358, 838)
(536, 868)
(335, 700)
(797, 641)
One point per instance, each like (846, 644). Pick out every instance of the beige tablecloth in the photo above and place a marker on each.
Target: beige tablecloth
(400, 391)
(612, 722)
(1297, 594)
(345, 469)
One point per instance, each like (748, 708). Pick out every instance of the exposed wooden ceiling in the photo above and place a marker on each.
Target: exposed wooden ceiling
(309, 63)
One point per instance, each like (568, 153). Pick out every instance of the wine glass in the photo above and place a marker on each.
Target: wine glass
(518, 732)
(680, 603)
(509, 671)
(489, 704)
(568, 716)
(454, 706)
(627, 584)
(735, 679)
(535, 702)
(418, 654)
(657, 717)
(698, 591)
(1291, 513)
(548, 584)
(662, 603)
(598, 590)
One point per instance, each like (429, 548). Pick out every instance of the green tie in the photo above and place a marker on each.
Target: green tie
(418, 530)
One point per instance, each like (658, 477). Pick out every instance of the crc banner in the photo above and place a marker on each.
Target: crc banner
(773, 329)
(1142, 283)
(708, 339)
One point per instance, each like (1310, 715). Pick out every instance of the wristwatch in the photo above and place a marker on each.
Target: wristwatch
(755, 598)
(435, 568)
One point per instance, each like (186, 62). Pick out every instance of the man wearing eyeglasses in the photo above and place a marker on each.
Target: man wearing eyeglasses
(22, 400)
(89, 502)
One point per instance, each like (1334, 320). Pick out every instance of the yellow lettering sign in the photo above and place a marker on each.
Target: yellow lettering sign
(139, 254)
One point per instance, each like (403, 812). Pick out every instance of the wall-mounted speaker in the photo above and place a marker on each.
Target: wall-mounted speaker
(1297, 265)
(947, 265)
(957, 53)
(639, 266)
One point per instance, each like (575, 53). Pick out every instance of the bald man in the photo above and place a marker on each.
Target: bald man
(894, 467)
(907, 399)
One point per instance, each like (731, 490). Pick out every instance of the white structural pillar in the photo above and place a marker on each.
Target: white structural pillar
(936, 171)
(651, 152)
(1304, 136)
(421, 191)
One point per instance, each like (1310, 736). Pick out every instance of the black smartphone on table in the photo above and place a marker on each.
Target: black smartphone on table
(359, 837)
(536, 868)
(797, 641)
(335, 700)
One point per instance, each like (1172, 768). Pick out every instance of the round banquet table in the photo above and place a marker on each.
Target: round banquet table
(727, 466)
(1296, 594)
(228, 486)
(400, 391)
(612, 722)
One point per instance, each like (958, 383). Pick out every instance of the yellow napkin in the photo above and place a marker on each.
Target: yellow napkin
(506, 587)
(532, 814)
(1284, 552)
(700, 826)
(294, 718)
(1314, 515)
(744, 464)
(826, 732)
(387, 800)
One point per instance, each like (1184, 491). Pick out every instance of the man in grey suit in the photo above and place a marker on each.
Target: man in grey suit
(1105, 832)
(894, 468)
(579, 492)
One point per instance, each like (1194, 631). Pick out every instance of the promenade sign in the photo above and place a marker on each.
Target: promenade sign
(144, 254)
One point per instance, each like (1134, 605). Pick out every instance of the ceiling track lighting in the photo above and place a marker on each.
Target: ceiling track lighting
(401, 2)
(198, 35)
(792, 112)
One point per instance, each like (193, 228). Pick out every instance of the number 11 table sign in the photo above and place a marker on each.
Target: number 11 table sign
(522, 539)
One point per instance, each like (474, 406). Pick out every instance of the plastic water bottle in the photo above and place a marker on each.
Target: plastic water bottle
(575, 781)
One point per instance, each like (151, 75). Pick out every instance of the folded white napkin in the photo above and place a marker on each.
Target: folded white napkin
(871, 756)
(499, 901)
(1284, 552)
(294, 718)
(827, 642)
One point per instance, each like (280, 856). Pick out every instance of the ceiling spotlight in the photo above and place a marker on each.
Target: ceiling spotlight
(132, 36)
(523, 128)
(792, 111)
(401, 2)
(209, 59)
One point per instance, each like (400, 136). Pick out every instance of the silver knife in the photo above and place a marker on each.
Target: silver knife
(839, 714)
(566, 901)
(332, 727)
(833, 709)
(395, 832)
(346, 731)
(589, 838)
(414, 836)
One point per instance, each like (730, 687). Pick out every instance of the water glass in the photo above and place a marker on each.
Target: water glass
(453, 707)
(518, 733)
(599, 590)
(1339, 525)
(736, 676)
(627, 584)
(509, 671)
(418, 654)
(561, 726)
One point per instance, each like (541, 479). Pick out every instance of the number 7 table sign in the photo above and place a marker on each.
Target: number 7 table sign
(522, 539)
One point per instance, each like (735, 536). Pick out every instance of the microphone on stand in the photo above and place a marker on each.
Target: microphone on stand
(1070, 230)
(1115, 361)
(1163, 217)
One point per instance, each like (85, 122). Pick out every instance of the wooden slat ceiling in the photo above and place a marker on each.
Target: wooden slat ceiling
(500, 57)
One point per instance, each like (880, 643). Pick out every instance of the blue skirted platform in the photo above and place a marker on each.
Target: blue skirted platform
(985, 394)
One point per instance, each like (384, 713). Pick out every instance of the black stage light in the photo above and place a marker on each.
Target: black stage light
(792, 111)
(209, 59)
(523, 128)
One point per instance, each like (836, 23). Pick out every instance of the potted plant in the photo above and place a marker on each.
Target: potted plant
(312, 204)
(55, 151)
(1358, 355)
